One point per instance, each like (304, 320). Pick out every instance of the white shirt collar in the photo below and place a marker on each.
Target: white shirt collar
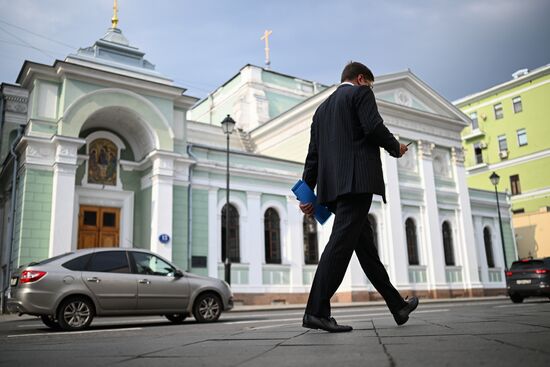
(348, 83)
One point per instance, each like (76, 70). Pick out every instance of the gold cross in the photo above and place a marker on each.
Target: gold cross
(266, 38)
(114, 20)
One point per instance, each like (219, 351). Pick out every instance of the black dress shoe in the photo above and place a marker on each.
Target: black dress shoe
(324, 323)
(402, 316)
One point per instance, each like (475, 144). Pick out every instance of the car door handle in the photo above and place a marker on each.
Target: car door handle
(144, 281)
(94, 280)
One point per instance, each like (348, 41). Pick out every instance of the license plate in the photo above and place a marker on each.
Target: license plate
(13, 281)
(523, 281)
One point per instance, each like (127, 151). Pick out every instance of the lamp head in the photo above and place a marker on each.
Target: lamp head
(228, 124)
(494, 179)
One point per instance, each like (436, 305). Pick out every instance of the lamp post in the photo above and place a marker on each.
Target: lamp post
(228, 124)
(494, 180)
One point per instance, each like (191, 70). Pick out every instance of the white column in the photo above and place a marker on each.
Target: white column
(214, 234)
(295, 239)
(162, 203)
(255, 243)
(63, 194)
(468, 245)
(435, 259)
(394, 230)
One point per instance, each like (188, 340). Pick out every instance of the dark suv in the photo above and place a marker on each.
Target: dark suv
(527, 278)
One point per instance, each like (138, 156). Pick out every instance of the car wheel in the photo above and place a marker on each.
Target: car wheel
(50, 322)
(516, 299)
(75, 313)
(207, 308)
(176, 318)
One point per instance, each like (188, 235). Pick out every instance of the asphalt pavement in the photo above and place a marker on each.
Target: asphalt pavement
(480, 332)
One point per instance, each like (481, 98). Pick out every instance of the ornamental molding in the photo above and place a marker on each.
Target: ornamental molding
(17, 106)
(457, 154)
(425, 149)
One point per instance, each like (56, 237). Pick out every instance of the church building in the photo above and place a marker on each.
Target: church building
(101, 150)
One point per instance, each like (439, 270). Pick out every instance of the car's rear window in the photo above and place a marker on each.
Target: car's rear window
(78, 264)
(530, 264)
(46, 261)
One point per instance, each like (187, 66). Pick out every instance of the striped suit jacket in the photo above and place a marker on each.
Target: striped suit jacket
(344, 155)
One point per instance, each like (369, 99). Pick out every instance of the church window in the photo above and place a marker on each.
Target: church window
(272, 237)
(487, 238)
(412, 244)
(310, 240)
(102, 162)
(448, 244)
(231, 248)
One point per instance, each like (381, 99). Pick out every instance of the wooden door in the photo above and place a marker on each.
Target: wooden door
(98, 227)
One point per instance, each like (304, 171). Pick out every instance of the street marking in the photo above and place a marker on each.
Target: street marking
(517, 305)
(74, 332)
(340, 317)
(141, 321)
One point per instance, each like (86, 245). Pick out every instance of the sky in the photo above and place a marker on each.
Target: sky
(457, 47)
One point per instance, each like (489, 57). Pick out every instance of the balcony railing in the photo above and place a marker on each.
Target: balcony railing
(276, 274)
(495, 275)
(308, 273)
(239, 273)
(417, 274)
(453, 274)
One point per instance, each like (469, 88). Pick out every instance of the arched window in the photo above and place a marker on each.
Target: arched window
(374, 227)
(310, 240)
(487, 238)
(448, 244)
(233, 248)
(272, 237)
(412, 245)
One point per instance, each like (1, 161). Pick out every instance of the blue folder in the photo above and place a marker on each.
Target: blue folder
(304, 193)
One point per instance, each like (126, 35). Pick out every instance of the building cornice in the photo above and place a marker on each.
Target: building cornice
(484, 167)
(61, 69)
(537, 73)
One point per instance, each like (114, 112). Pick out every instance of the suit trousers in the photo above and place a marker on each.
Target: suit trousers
(351, 232)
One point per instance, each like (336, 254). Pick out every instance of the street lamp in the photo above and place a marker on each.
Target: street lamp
(495, 180)
(228, 124)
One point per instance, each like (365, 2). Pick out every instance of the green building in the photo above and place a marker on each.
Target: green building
(508, 134)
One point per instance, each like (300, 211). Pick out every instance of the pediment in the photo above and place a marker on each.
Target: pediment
(407, 90)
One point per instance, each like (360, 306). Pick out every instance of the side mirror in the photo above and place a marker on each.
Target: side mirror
(178, 273)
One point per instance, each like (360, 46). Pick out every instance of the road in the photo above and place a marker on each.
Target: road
(480, 333)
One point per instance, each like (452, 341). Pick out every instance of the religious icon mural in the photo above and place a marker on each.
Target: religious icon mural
(102, 163)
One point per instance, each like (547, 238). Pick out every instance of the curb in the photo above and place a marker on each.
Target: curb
(245, 308)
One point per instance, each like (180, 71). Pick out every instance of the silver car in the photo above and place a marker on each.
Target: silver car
(67, 291)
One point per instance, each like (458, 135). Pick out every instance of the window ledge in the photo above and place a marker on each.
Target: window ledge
(476, 133)
(476, 167)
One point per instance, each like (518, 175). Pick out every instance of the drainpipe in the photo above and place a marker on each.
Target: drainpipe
(189, 206)
(2, 115)
(15, 161)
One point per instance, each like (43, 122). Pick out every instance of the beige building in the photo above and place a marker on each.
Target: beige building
(533, 233)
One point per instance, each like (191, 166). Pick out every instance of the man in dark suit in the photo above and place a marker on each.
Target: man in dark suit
(343, 161)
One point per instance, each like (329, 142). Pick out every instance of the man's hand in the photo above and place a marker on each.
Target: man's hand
(307, 208)
(402, 150)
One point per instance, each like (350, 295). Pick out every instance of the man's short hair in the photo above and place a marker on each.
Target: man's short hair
(353, 69)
